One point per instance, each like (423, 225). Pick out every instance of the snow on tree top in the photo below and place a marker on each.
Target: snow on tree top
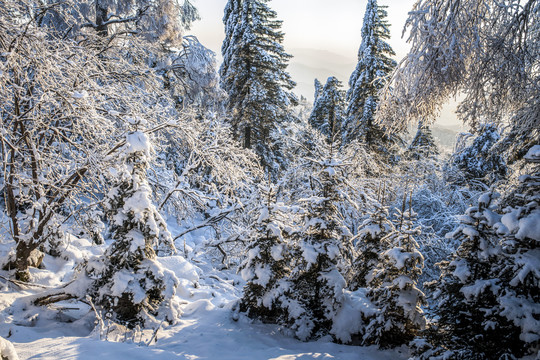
(137, 141)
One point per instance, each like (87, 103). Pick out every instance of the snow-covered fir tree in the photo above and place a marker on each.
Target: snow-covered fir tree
(479, 161)
(369, 77)
(328, 110)
(130, 286)
(393, 287)
(254, 75)
(467, 292)
(520, 266)
(423, 146)
(323, 250)
(268, 259)
(371, 241)
(318, 89)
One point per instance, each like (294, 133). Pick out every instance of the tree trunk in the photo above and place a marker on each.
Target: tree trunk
(247, 137)
(101, 18)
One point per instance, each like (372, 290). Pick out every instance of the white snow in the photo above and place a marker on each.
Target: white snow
(137, 141)
(7, 351)
(529, 226)
(205, 331)
(80, 94)
(533, 153)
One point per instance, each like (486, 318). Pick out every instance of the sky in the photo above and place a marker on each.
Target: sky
(316, 24)
(323, 36)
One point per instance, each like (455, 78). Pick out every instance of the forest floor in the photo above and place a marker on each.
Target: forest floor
(206, 330)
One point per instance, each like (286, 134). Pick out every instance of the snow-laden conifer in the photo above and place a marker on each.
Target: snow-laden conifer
(393, 287)
(328, 110)
(130, 286)
(480, 161)
(469, 287)
(323, 249)
(423, 146)
(254, 75)
(268, 259)
(369, 77)
(370, 242)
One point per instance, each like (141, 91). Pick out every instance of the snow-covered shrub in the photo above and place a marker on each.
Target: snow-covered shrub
(7, 351)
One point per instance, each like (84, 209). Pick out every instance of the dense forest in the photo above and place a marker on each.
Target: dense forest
(144, 184)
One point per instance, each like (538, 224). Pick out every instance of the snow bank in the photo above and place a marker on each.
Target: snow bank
(7, 351)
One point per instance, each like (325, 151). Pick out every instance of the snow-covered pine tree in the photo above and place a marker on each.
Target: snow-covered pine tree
(328, 110)
(393, 287)
(323, 250)
(370, 242)
(479, 161)
(468, 290)
(129, 285)
(423, 145)
(369, 77)
(254, 75)
(318, 90)
(520, 266)
(267, 262)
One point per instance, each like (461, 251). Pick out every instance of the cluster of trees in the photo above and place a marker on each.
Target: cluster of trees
(113, 121)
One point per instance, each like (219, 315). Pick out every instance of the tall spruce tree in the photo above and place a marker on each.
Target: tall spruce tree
(370, 75)
(254, 75)
(328, 110)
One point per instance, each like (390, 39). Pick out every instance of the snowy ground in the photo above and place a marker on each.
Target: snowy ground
(205, 331)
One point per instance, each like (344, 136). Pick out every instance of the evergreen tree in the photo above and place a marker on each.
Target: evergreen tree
(369, 77)
(371, 241)
(393, 287)
(520, 268)
(479, 161)
(329, 107)
(322, 249)
(267, 261)
(470, 286)
(129, 284)
(423, 145)
(318, 90)
(254, 75)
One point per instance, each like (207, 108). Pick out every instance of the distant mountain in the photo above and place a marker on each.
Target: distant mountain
(309, 64)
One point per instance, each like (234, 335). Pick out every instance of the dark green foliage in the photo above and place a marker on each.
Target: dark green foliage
(328, 111)
(254, 75)
(423, 146)
(480, 161)
(370, 76)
